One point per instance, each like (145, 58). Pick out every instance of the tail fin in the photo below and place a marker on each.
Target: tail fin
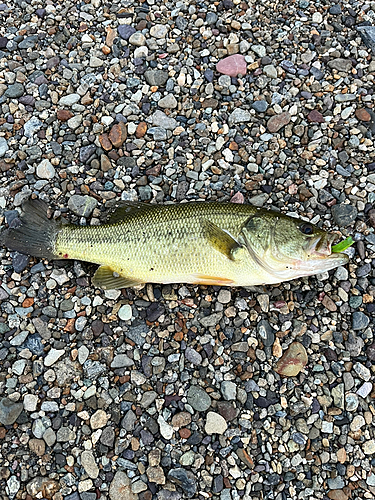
(36, 235)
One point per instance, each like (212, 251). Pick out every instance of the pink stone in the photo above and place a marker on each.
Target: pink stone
(232, 65)
(237, 198)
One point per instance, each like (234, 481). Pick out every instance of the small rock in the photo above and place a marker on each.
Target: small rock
(168, 102)
(156, 77)
(155, 474)
(260, 106)
(215, 423)
(37, 446)
(166, 430)
(159, 31)
(239, 116)
(82, 205)
(120, 488)
(9, 411)
(368, 447)
(125, 312)
(69, 100)
(3, 147)
(89, 464)
(344, 215)
(184, 479)
(315, 116)
(363, 115)
(362, 371)
(99, 419)
(232, 66)
(276, 122)
(45, 170)
(52, 356)
(137, 39)
(228, 390)
(198, 398)
(360, 321)
(126, 31)
(118, 134)
(343, 65)
(293, 360)
(15, 90)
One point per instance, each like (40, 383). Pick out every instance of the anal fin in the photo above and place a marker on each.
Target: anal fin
(220, 239)
(108, 279)
(203, 279)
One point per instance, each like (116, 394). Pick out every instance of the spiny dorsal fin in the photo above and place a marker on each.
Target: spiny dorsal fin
(105, 277)
(127, 208)
(220, 240)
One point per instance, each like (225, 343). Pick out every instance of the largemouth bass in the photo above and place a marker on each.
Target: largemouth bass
(203, 243)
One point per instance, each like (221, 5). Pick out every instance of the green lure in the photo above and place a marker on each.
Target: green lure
(343, 245)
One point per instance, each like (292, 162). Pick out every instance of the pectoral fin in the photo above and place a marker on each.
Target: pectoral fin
(106, 278)
(220, 239)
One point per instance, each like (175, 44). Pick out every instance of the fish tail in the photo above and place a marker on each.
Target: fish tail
(35, 233)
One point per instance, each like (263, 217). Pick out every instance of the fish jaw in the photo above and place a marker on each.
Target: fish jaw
(320, 264)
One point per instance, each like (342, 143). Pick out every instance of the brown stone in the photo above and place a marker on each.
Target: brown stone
(155, 475)
(276, 122)
(363, 115)
(181, 419)
(87, 99)
(106, 50)
(111, 35)
(337, 495)
(329, 304)
(64, 115)
(184, 433)
(315, 117)
(210, 102)
(44, 485)
(105, 163)
(28, 302)
(105, 142)
(293, 360)
(37, 446)
(245, 457)
(118, 134)
(141, 130)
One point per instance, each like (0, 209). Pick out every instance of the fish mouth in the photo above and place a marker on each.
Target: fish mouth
(320, 247)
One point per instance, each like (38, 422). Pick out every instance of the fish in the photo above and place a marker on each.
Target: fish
(204, 243)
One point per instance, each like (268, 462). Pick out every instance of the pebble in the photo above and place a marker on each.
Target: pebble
(120, 487)
(9, 411)
(45, 170)
(292, 361)
(52, 356)
(198, 398)
(344, 215)
(233, 65)
(360, 321)
(215, 423)
(82, 205)
(239, 116)
(3, 147)
(184, 479)
(89, 464)
(276, 122)
(125, 312)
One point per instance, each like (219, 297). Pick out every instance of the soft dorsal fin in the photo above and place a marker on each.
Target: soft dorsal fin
(220, 239)
(127, 208)
(105, 277)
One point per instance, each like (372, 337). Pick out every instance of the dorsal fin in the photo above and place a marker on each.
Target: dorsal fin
(127, 208)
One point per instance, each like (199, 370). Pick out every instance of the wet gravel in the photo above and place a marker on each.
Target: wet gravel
(176, 391)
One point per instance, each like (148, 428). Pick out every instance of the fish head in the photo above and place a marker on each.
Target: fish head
(289, 248)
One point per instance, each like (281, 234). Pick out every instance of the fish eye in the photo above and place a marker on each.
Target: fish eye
(306, 228)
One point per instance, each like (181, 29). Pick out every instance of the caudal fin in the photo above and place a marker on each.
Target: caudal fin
(36, 234)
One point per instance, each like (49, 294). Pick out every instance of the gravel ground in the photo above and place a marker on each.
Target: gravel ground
(174, 392)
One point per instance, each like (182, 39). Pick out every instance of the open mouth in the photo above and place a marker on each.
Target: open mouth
(321, 246)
